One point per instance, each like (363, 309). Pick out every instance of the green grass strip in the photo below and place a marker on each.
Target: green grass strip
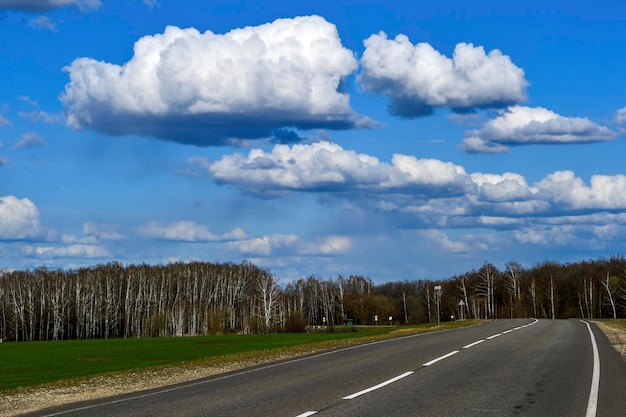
(25, 365)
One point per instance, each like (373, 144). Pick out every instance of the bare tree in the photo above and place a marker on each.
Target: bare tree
(488, 275)
(513, 273)
(610, 292)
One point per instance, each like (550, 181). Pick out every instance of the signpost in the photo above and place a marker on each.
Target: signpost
(461, 305)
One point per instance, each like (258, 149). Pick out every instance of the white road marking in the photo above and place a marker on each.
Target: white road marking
(375, 387)
(494, 336)
(441, 358)
(592, 404)
(307, 414)
(473, 344)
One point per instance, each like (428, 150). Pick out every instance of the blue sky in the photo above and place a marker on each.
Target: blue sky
(395, 140)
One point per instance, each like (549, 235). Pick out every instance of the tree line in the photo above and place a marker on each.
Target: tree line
(117, 301)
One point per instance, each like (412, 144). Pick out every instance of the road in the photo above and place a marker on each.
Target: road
(501, 368)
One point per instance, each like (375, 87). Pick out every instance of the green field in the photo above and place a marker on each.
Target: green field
(29, 364)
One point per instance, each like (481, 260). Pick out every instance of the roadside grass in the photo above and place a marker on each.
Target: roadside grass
(29, 364)
(618, 324)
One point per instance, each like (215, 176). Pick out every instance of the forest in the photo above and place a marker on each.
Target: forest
(199, 298)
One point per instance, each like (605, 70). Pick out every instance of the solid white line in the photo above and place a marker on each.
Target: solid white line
(592, 404)
(307, 414)
(375, 387)
(494, 336)
(441, 358)
(473, 344)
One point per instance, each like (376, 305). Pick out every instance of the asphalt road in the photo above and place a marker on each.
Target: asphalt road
(501, 368)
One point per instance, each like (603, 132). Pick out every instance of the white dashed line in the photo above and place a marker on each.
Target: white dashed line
(441, 358)
(473, 344)
(375, 387)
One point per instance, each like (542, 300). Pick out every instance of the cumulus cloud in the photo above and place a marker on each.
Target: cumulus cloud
(186, 231)
(499, 188)
(29, 140)
(210, 89)
(418, 79)
(327, 167)
(605, 192)
(521, 125)
(426, 193)
(47, 5)
(19, 218)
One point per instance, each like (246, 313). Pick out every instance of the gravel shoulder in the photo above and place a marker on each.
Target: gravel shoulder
(33, 399)
(616, 335)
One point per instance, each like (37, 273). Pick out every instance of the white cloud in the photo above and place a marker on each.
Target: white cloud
(442, 240)
(417, 78)
(330, 245)
(69, 251)
(558, 235)
(186, 231)
(43, 22)
(620, 116)
(292, 245)
(476, 144)
(210, 89)
(499, 188)
(605, 192)
(102, 231)
(4, 121)
(151, 3)
(29, 140)
(327, 167)
(265, 245)
(41, 116)
(427, 192)
(521, 125)
(19, 218)
(46, 5)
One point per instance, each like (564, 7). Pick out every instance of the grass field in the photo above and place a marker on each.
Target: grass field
(620, 324)
(30, 364)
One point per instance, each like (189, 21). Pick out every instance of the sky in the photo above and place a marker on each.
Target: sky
(390, 139)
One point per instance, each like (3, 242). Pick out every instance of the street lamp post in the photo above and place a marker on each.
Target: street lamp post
(438, 295)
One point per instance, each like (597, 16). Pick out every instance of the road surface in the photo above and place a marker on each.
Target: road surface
(502, 368)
